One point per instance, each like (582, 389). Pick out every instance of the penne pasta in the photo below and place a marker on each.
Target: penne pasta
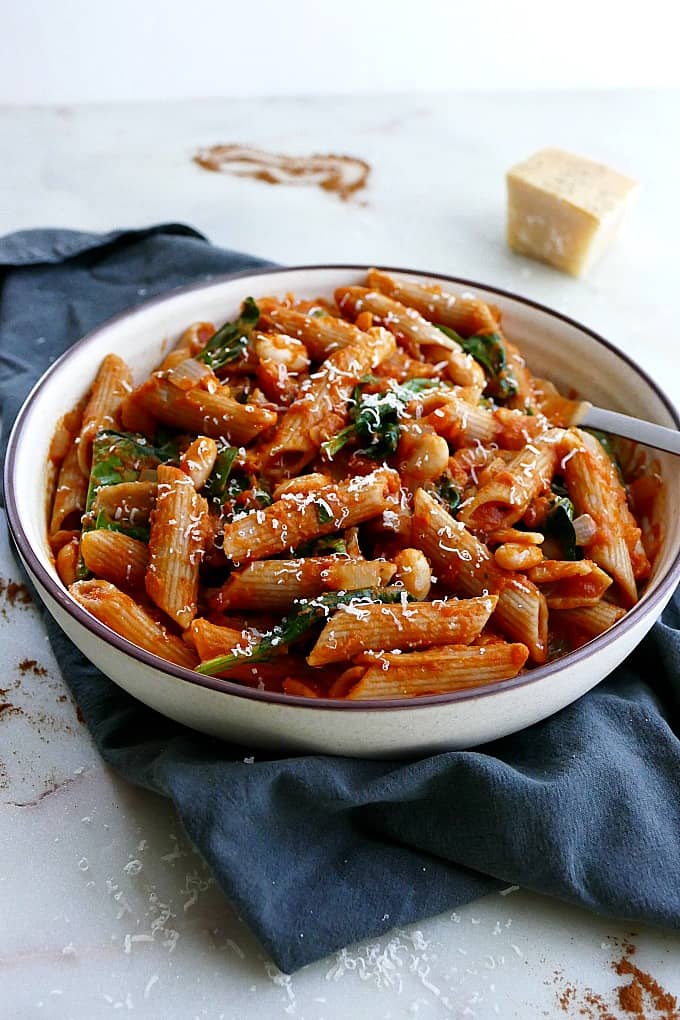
(113, 382)
(126, 617)
(595, 489)
(198, 460)
(437, 671)
(570, 584)
(176, 546)
(115, 557)
(505, 498)
(590, 620)
(321, 334)
(354, 629)
(214, 414)
(466, 567)
(70, 494)
(295, 519)
(271, 585)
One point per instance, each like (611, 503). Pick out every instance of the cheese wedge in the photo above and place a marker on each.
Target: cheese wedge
(564, 209)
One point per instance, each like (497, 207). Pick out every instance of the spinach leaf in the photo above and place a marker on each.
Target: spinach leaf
(375, 418)
(230, 341)
(325, 545)
(324, 512)
(488, 350)
(141, 532)
(447, 493)
(305, 613)
(216, 486)
(559, 522)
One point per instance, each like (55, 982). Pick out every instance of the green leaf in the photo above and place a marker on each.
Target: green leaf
(230, 341)
(325, 545)
(448, 494)
(324, 512)
(488, 350)
(559, 524)
(216, 486)
(375, 417)
(141, 531)
(305, 613)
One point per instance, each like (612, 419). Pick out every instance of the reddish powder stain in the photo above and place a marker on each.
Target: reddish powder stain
(342, 175)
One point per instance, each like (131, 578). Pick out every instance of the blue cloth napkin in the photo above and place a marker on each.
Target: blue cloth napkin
(316, 852)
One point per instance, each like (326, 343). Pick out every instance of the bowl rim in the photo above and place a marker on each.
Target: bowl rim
(66, 602)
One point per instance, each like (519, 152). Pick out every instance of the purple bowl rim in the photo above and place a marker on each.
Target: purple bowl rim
(100, 630)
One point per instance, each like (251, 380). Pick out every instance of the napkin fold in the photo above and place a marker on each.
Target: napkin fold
(316, 852)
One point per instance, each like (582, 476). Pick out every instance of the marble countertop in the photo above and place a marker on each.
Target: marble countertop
(104, 905)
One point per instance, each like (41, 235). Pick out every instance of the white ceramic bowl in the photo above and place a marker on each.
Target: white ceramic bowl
(555, 346)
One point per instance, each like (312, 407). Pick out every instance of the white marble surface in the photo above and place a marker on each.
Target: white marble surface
(103, 904)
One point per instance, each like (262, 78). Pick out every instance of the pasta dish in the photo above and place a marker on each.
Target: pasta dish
(371, 497)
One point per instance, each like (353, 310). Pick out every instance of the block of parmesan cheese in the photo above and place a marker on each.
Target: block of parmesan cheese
(564, 209)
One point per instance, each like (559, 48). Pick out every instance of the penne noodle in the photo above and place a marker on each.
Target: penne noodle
(113, 382)
(271, 585)
(595, 489)
(211, 640)
(321, 334)
(176, 546)
(67, 559)
(438, 671)
(115, 557)
(356, 628)
(198, 460)
(295, 519)
(416, 331)
(126, 617)
(70, 494)
(590, 620)
(505, 498)
(212, 414)
(466, 567)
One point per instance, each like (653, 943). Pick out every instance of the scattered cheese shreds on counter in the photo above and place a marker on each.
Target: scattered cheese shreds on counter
(564, 209)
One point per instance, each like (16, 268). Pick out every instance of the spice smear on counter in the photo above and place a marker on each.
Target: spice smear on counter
(342, 175)
(642, 998)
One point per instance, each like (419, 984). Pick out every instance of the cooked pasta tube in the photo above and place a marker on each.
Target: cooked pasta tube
(210, 639)
(66, 560)
(176, 545)
(213, 414)
(437, 670)
(198, 460)
(321, 334)
(113, 382)
(465, 566)
(590, 620)
(70, 494)
(505, 498)
(595, 489)
(409, 324)
(272, 585)
(126, 617)
(356, 628)
(321, 411)
(115, 557)
(295, 519)
(461, 422)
